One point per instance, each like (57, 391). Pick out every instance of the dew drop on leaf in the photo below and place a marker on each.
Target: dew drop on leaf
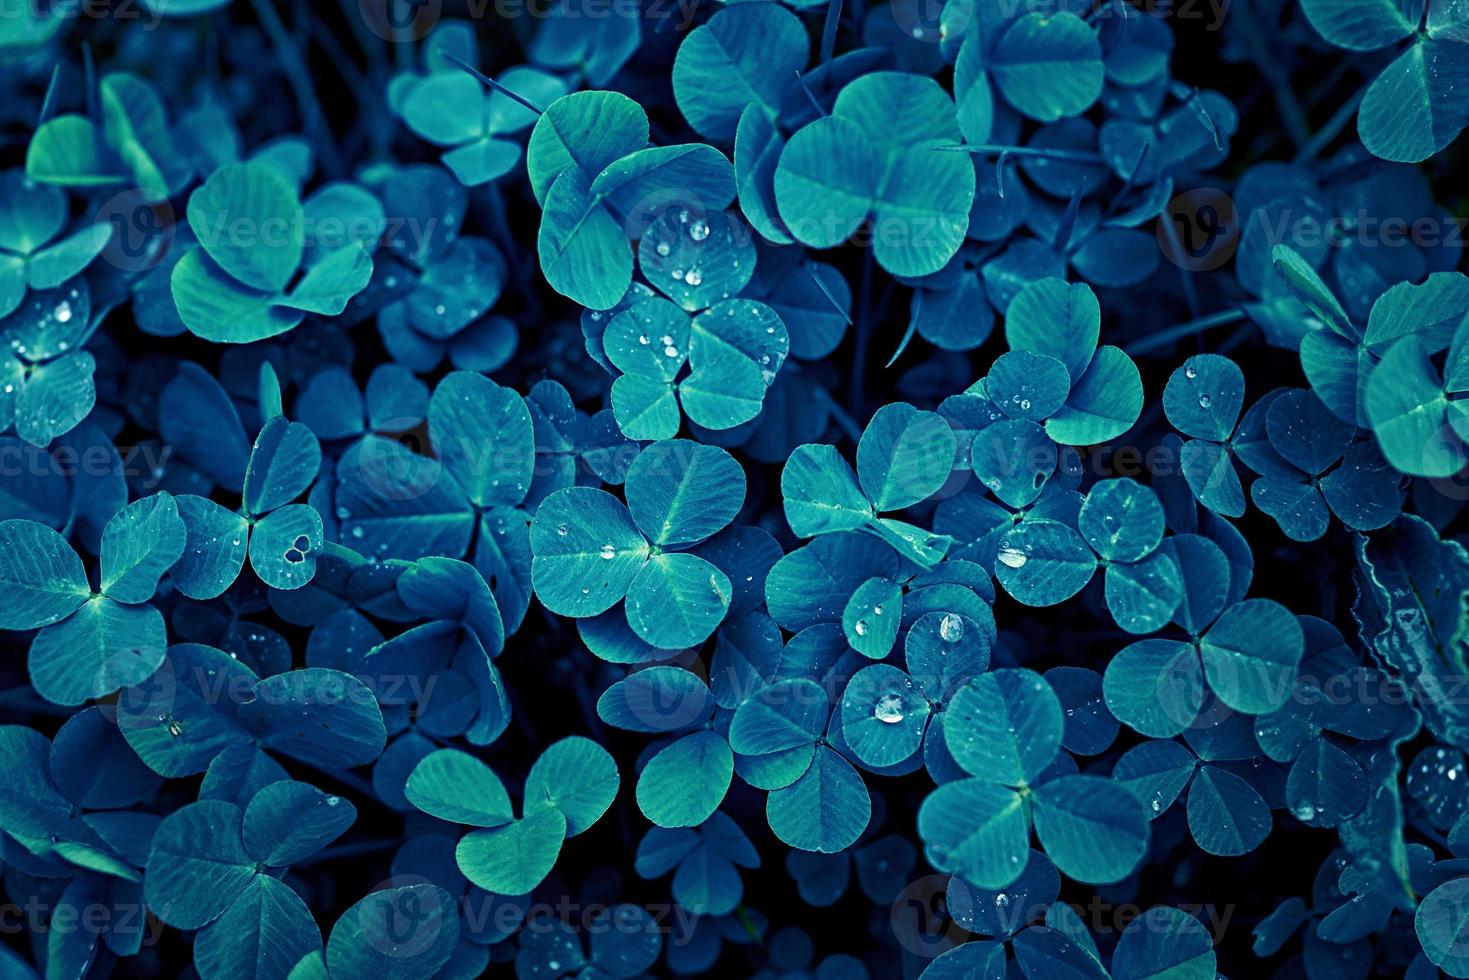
(889, 709)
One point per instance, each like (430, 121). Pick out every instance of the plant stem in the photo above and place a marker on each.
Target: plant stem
(1322, 138)
(1074, 156)
(313, 121)
(839, 416)
(1163, 338)
(487, 80)
(829, 31)
(1185, 277)
(863, 336)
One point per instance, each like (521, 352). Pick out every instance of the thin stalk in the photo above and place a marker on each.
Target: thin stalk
(1322, 138)
(810, 95)
(811, 271)
(829, 30)
(862, 338)
(299, 78)
(839, 415)
(1074, 156)
(1169, 335)
(487, 80)
(1185, 277)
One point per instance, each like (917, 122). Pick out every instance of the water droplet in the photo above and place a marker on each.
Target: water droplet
(1203, 401)
(1002, 900)
(693, 277)
(562, 530)
(333, 800)
(63, 312)
(951, 628)
(699, 230)
(358, 532)
(1013, 557)
(670, 351)
(642, 339)
(1305, 812)
(663, 248)
(860, 628)
(1190, 373)
(889, 709)
(608, 552)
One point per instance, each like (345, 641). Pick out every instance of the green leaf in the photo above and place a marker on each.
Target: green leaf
(1225, 814)
(216, 308)
(1411, 111)
(1164, 944)
(264, 933)
(1363, 25)
(198, 865)
(680, 492)
(583, 251)
(1121, 519)
(42, 580)
(283, 463)
(1251, 655)
(884, 715)
(1407, 408)
(1048, 66)
(872, 617)
(904, 456)
(576, 777)
(1104, 404)
(1062, 320)
(1303, 282)
(977, 829)
(825, 810)
(288, 821)
(677, 600)
(1043, 562)
(55, 399)
(1095, 830)
(587, 551)
(1004, 726)
(284, 546)
(1155, 686)
(101, 647)
(483, 435)
(1441, 923)
(820, 492)
(249, 220)
(403, 933)
(742, 55)
(684, 783)
(514, 858)
(214, 549)
(583, 131)
(455, 786)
